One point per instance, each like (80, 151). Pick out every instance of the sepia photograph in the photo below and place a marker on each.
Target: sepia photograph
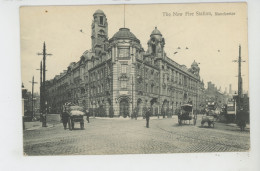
(134, 79)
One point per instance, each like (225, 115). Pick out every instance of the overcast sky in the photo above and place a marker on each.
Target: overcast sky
(211, 40)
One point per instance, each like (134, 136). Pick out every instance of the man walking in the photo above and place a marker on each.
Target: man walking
(136, 113)
(147, 117)
(87, 114)
(65, 116)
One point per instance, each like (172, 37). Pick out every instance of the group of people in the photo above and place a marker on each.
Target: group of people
(65, 116)
(147, 114)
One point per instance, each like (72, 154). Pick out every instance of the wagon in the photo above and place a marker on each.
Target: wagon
(76, 115)
(186, 114)
(210, 118)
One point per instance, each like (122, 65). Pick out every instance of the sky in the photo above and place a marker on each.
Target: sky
(212, 41)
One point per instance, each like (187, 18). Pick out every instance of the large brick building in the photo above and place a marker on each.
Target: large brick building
(118, 75)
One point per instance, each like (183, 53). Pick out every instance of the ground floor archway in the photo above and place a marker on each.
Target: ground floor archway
(124, 108)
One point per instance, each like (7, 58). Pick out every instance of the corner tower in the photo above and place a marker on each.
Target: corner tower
(156, 43)
(99, 35)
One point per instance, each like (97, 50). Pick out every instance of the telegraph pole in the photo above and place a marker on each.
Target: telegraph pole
(41, 101)
(132, 97)
(43, 92)
(240, 91)
(32, 94)
(133, 67)
(40, 87)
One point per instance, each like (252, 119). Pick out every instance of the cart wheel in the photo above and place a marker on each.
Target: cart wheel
(69, 124)
(179, 121)
(81, 125)
(194, 121)
(72, 124)
(202, 124)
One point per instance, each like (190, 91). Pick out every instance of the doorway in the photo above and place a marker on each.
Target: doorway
(124, 108)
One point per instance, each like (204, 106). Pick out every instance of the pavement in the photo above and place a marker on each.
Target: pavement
(54, 119)
(129, 136)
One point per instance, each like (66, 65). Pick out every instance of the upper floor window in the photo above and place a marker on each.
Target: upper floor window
(123, 52)
(123, 69)
(123, 84)
(82, 90)
(101, 88)
(101, 20)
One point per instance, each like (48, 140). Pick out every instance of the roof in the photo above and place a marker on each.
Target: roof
(156, 32)
(99, 12)
(124, 33)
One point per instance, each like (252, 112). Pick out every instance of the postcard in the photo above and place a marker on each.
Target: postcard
(135, 79)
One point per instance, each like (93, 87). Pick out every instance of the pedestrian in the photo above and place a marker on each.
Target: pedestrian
(87, 114)
(147, 117)
(65, 116)
(136, 113)
(241, 119)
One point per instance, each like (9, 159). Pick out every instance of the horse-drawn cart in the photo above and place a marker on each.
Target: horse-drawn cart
(75, 114)
(186, 114)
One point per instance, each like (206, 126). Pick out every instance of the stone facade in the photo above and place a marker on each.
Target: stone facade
(118, 76)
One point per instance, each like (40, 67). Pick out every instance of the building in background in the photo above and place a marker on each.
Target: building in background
(27, 103)
(212, 93)
(117, 76)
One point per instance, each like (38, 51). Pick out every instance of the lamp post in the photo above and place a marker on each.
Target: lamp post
(32, 95)
(93, 104)
(197, 88)
(43, 88)
(132, 55)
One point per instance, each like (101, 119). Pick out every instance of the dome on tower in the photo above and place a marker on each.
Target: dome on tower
(124, 33)
(99, 12)
(194, 63)
(156, 32)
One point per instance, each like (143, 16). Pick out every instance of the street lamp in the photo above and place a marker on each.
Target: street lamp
(93, 103)
(132, 84)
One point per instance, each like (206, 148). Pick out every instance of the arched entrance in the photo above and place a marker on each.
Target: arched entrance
(139, 107)
(124, 108)
(164, 107)
(154, 106)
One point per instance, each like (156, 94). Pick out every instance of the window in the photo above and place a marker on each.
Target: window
(123, 52)
(123, 84)
(101, 20)
(123, 69)
(82, 90)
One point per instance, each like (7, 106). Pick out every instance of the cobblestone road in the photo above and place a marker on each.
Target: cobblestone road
(125, 136)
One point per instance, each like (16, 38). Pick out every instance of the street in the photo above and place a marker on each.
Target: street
(126, 136)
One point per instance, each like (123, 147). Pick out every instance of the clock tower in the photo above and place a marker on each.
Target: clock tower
(99, 32)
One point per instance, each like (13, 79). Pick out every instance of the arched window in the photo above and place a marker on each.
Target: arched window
(101, 20)
(82, 90)
(152, 88)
